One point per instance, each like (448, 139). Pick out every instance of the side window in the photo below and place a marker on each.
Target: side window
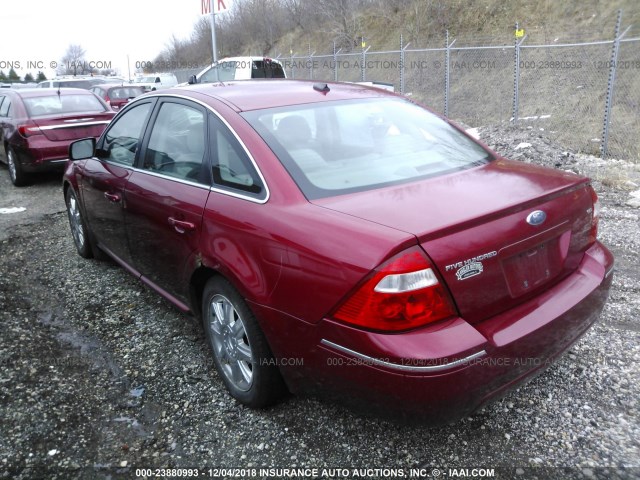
(210, 76)
(5, 106)
(177, 143)
(123, 137)
(232, 169)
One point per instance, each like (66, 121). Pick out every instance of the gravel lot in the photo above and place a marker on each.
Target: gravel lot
(99, 376)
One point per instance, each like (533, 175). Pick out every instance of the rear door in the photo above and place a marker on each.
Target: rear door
(106, 175)
(166, 196)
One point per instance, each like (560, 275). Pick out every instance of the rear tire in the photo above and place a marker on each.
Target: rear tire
(16, 173)
(241, 354)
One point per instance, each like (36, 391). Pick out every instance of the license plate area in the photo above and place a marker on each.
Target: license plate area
(532, 268)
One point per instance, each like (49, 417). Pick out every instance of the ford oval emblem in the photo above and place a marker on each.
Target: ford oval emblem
(536, 218)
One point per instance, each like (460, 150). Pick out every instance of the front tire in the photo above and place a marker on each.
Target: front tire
(16, 173)
(240, 351)
(78, 226)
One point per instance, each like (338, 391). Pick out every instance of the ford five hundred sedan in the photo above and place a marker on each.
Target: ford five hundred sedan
(337, 239)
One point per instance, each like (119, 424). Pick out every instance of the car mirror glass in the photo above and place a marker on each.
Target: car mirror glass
(82, 149)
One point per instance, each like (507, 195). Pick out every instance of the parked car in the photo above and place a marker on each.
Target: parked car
(117, 95)
(37, 126)
(239, 68)
(72, 82)
(335, 238)
(156, 81)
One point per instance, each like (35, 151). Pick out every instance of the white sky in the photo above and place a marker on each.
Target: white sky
(109, 30)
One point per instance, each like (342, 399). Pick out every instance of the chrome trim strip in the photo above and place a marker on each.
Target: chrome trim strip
(168, 177)
(74, 125)
(404, 368)
(242, 144)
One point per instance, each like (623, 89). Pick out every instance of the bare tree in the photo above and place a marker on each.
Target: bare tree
(73, 62)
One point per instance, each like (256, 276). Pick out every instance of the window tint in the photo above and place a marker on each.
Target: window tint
(232, 169)
(177, 143)
(5, 106)
(334, 148)
(123, 137)
(267, 69)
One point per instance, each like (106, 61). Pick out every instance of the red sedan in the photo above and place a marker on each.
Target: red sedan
(37, 126)
(342, 240)
(117, 95)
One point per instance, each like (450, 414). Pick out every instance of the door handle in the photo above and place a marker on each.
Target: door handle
(112, 197)
(181, 226)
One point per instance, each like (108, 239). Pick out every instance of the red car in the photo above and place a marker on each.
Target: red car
(117, 95)
(340, 239)
(37, 126)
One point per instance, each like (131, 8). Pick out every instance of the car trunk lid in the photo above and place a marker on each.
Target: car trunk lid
(72, 127)
(480, 230)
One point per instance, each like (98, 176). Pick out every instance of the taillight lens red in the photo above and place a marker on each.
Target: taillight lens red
(403, 293)
(29, 129)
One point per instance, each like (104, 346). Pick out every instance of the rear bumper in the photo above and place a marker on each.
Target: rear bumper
(443, 372)
(49, 157)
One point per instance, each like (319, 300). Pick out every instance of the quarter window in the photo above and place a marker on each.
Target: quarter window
(123, 138)
(232, 169)
(177, 143)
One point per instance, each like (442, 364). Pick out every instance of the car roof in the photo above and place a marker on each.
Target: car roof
(247, 95)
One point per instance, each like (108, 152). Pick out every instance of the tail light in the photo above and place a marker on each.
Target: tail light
(401, 294)
(29, 129)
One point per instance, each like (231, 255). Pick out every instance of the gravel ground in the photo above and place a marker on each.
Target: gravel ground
(99, 376)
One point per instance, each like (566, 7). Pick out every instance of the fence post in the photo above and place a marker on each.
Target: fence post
(401, 65)
(293, 72)
(364, 61)
(516, 76)
(335, 62)
(447, 56)
(310, 64)
(610, 84)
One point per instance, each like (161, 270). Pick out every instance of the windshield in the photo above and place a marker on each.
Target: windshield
(60, 104)
(340, 147)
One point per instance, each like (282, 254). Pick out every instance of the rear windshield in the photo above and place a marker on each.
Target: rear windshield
(125, 92)
(267, 69)
(60, 104)
(333, 148)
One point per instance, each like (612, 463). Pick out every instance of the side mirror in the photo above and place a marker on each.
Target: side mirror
(82, 149)
(193, 80)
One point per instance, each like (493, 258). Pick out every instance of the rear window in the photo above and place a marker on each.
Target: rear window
(60, 104)
(267, 69)
(333, 148)
(125, 92)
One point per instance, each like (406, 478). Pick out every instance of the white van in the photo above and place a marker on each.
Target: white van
(239, 68)
(156, 81)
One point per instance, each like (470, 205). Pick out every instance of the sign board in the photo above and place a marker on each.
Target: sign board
(520, 33)
(219, 6)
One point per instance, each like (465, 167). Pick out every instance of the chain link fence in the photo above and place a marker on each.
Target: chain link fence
(584, 95)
